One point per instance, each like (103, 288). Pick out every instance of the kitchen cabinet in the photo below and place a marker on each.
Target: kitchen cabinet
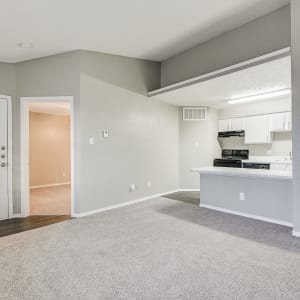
(238, 124)
(224, 125)
(288, 121)
(281, 122)
(278, 122)
(257, 130)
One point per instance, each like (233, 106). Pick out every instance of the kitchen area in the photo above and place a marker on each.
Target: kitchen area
(235, 141)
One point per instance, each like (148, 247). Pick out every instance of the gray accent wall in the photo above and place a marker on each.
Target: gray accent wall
(261, 36)
(143, 141)
(295, 24)
(198, 147)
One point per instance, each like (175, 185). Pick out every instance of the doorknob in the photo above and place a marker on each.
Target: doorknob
(3, 165)
(3, 147)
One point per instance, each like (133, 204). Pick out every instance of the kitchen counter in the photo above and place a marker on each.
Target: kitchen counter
(240, 172)
(254, 193)
(269, 160)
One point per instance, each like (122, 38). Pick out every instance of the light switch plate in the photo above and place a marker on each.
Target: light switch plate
(105, 133)
(91, 141)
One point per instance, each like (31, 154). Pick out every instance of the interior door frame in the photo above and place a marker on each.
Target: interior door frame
(9, 154)
(24, 123)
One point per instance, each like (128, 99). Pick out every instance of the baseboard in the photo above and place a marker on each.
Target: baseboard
(234, 212)
(48, 185)
(189, 190)
(296, 233)
(91, 212)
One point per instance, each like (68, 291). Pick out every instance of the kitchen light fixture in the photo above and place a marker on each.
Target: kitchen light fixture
(259, 97)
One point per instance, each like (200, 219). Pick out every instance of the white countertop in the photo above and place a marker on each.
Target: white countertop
(253, 173)
(270, 159)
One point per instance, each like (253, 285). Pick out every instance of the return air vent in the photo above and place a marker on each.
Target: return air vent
(194, 113)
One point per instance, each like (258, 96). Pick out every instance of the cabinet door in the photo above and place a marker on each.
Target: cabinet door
(237, 124)
(257, 130)
(278, 122)
(288, 117)
(224, 125)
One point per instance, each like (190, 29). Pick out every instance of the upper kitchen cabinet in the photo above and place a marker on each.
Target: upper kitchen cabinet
(235, 124)
(257, 130)
(281, 122)
(289, 122)
(224, 125)
(238, 124)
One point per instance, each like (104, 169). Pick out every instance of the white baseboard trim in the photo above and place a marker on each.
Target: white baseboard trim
(91, 212)
(49, 185)
(189, 190)
(234, 212)
(296, 233)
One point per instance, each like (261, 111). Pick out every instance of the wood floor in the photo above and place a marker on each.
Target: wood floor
(54, 200)
(17, 225)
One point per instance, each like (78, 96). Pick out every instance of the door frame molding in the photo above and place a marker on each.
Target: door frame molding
(24, 129)
(9, 154)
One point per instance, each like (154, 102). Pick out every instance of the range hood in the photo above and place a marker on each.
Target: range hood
(225, 134)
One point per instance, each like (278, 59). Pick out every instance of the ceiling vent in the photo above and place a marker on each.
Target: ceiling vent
(194, 113)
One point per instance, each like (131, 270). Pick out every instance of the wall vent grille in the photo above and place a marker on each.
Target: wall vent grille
(194, 113)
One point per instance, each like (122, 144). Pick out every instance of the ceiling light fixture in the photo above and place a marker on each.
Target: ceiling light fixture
(258, 97)
(25, 45)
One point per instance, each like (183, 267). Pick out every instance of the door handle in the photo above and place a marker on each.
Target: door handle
(3, 165)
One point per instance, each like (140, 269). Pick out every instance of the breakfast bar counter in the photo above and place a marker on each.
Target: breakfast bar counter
(259, 194)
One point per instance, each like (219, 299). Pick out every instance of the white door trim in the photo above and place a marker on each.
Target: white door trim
(24, 148)
(9, 153)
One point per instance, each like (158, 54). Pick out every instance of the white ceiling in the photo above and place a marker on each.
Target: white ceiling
(52, 108)
(149, 29)
(270, 76)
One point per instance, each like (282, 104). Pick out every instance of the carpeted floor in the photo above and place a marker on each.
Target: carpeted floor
(157, 249)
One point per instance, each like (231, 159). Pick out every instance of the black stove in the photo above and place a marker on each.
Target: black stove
(232, 158)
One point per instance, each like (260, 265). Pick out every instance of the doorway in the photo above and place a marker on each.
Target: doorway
(5, 158)
(47, 156)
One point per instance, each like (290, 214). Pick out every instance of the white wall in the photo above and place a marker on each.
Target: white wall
(198, 147)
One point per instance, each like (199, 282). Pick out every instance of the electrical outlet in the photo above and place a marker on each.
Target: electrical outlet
(242, 196)
(91, 141)
(132, 187)
(149, 184)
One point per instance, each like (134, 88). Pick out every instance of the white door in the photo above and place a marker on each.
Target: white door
(3, 160)
(257, 130)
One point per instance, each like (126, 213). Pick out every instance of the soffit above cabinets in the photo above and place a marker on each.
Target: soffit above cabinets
(261, 78)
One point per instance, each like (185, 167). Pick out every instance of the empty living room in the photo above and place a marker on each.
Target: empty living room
(150, 149)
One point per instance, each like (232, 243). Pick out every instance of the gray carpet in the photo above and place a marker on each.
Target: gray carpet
(158, 249)
(187, 197)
